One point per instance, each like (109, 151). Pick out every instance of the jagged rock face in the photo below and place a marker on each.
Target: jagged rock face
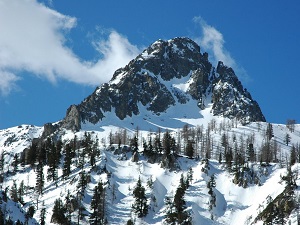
(72, 119)
(231, 100)
(147, 82)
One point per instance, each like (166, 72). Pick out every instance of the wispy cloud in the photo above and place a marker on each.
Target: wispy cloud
(33, 39)
(212, 41)
(7, 82)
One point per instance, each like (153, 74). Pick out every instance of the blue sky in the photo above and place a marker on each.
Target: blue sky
(53, 53)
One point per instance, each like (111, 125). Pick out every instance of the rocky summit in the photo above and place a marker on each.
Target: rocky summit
(167, 74)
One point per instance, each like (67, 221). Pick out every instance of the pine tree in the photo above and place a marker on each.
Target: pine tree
(30, 156)
(39, 179)
(220, 158)
(177, 213)
(269, 131)
(58, 215)
(293, 156)
(14, 192)
(81, 186)
(228, 158)
(30, 212)
(287, 139)
(157, 142)
(140, 206)
(81, 162)
(94, 152)
(42, 154)
(43, 214)
(189, 149)
(16, 162)
(2, 162)
(190, 175)
(53, 160)
(167, 143)
(97, 216)
(212, 201)
(134, 143)
(21, 192)
(82, 181)
(171, 215)
(67, 161)
(250, 153)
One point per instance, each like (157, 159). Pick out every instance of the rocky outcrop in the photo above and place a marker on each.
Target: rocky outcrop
(231, 100)
(72, 119)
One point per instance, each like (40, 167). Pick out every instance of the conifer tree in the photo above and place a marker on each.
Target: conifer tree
(190, 175)
(67, 161)
(43, 214)
(97, 216)
(14, 192)
(94, 152)
(287, 139)
(39, 179)
(30, 156)
(42, 154)
(2, 162)
(134, 143)
(140, 206)
(167, 143)
(220, 158)
(250, 153)
(53, 161)
(21, 192)
(16, 162)
(81, 186)
(293, 156)
(212, 201)
(176, 210)
(157, 142)
(58, 215)
(189, 149)
(269, 131)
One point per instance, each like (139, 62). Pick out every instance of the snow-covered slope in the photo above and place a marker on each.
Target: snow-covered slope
(234, 204)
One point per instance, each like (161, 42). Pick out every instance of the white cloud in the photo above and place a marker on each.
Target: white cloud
(33, 39)
(7, 82)
(213, 41)
(117, 52)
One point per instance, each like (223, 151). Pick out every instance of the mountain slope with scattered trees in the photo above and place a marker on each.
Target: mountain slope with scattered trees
(221, 173)
(171, 139)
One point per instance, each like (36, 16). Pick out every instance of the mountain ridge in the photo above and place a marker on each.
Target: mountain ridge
(155, 79)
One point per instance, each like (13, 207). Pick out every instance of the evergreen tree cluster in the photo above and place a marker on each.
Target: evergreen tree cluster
(176, 209)
(140, 205)
(211, 184)
(97, 206)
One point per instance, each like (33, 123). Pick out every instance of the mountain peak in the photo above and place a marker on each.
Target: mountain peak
(165, 76)
(180, 45)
